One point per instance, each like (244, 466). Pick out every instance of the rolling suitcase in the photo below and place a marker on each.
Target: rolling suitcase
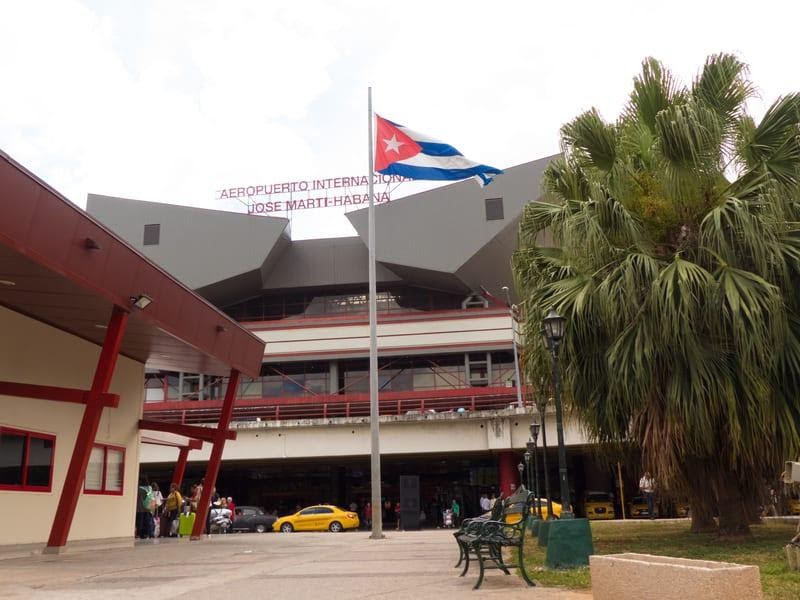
(166, 522)
(186, 524)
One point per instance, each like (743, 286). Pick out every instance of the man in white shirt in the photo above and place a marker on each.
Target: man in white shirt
(486, 504)
(648, 487)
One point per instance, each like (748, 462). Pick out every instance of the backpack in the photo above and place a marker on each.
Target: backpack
(148, 499)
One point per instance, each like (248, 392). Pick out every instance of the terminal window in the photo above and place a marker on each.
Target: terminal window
(152, 234)
(494, 209)
(26, 460)
(105, 470)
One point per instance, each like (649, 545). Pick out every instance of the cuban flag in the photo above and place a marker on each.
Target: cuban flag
(400, 151)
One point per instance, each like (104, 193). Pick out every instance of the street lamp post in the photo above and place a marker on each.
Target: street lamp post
(542, 406)
(532, 448)
(514, 346)
(554, 333)
(528, 476)
(520, 468)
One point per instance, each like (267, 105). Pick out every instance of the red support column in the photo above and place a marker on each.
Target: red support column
(216, 455)
(76, 472)
(507, 472)
(180, 467)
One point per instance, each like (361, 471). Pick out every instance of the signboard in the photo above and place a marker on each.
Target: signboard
(310, 193)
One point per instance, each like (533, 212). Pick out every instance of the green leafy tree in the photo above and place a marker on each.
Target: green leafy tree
(669, 239)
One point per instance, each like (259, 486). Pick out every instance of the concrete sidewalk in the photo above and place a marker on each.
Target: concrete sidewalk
(295, 566)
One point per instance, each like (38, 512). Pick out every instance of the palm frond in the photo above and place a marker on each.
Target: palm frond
(723, 86)
(593, 139)
(654, 90)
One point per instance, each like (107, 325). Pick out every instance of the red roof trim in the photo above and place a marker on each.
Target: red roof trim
(116, 271)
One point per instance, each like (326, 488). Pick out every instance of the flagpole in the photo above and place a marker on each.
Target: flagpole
(374, 425)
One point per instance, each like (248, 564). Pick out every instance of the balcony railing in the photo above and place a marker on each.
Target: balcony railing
(335, 406)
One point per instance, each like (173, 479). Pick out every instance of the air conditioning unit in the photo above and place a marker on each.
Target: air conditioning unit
(791, 472)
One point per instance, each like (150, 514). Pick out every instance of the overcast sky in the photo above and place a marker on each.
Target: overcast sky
(171, 101)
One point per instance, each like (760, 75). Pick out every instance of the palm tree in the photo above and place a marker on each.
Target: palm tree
(669, 238)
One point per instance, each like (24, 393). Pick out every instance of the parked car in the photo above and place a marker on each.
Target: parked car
(252, 518)
(637, 508)
(599, 505)
(681, 508)
(318, 518)
(543, 503)
(794, 506)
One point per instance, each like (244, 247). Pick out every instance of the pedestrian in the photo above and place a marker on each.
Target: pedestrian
(368, 515)
(492, 501)
(455, 507)
(354, 507)
(158, 496)
(397, 515)
(198, 492)
(648, 487)
(388, 513)
(145, 503)
(232, 507)
(172, 508)
(486, 504)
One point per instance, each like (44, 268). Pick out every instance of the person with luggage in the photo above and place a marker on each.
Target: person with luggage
(145, 506)
(172, 508)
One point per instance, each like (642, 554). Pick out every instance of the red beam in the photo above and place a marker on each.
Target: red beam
(180, 466)
(192, 445)
(56, 394)
(76, 472)
(216, 455)
(206, 434)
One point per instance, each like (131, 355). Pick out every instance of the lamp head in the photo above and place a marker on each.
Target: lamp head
(527, 456)
(520, 468)
(554, 326)
(535, 426)
(141, 301)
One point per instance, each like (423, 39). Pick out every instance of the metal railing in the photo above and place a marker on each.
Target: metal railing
(336, 406)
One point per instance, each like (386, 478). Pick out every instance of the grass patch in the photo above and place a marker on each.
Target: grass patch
(673, 538)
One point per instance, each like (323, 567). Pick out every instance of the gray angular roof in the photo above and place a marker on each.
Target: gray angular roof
(198, 246)
(439, 239)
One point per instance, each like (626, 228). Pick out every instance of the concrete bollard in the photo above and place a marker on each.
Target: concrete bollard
(636, 576)
(793, 556)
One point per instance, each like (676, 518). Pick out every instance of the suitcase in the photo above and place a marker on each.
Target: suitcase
(186, 524)
(166, 529)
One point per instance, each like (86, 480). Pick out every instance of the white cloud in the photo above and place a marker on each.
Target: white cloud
(170, 101)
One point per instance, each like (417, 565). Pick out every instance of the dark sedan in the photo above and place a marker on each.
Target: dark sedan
(252, 518)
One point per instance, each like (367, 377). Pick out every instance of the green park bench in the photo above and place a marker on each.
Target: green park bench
(484, 540)
(469, 526)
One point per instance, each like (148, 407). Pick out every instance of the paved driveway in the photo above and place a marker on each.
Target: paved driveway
(417, 565)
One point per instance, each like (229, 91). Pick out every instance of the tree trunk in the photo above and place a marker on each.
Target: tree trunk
(702, 499)
(733, 520)
(702, 516)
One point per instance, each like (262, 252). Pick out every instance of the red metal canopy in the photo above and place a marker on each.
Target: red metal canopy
(60, 266)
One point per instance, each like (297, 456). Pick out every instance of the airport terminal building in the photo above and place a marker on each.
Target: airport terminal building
(449, 403)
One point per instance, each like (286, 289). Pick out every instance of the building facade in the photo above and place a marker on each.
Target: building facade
(452, 409)
(84, 317)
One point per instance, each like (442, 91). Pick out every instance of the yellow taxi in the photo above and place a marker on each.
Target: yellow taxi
(637, 508)
(794, 506)
(599, 505)
(543, 503)
(321, 517)
(682, 508)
